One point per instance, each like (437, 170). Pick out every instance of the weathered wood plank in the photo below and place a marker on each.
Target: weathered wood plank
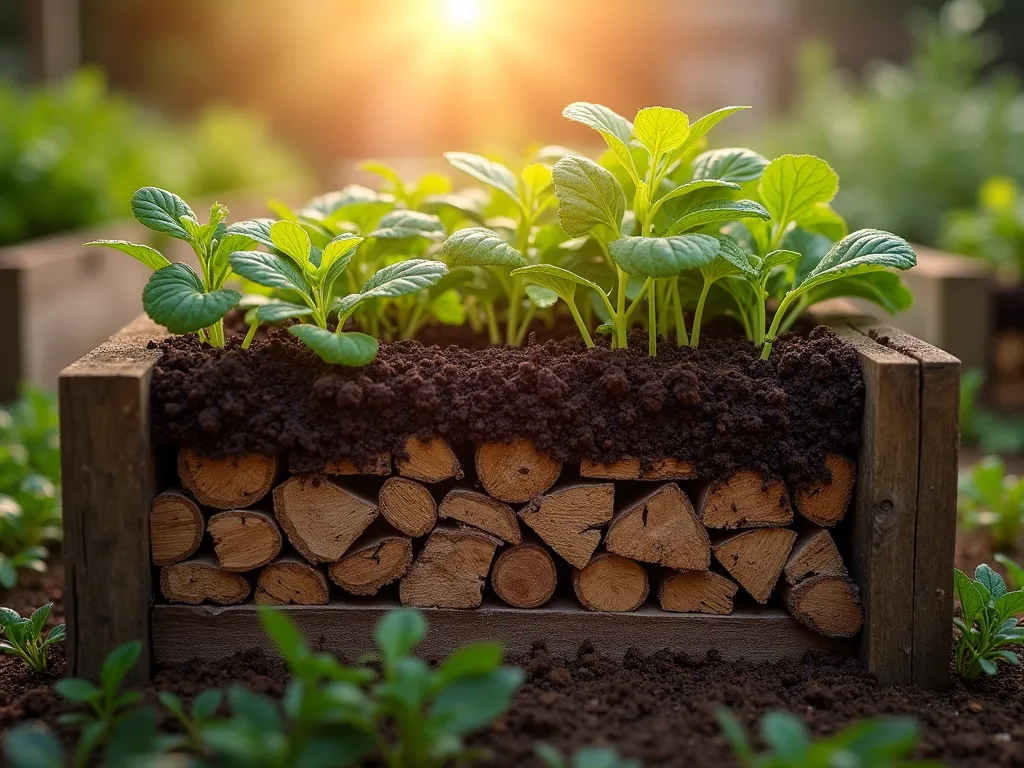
(108, 486)
(936, 503)
(885, 515)
(181, 633)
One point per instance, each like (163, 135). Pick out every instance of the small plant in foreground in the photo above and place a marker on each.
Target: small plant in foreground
(989, 624)
(24, 638)
(591, 757)
(879, 743)
(991, 499)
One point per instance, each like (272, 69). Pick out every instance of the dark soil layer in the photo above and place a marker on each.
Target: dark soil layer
(718, 406)
(661, 708)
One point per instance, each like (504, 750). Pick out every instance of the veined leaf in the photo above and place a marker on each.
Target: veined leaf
(882, 288)
(351, 349)
(151, 257)
(385, 171)
(695, 186)
(257, 229)
(340, 249)
(993, 581)
(773, 260)
(717, 210)
(277, 312)
(588, 196)
(661, 129)
(292, 240)
(161, 211)
(322, 206)
(487, 172)
(270, 270)
(536, 179)
(736, 164)
(174, 298)
(404, 277)
(730, 260)
(970, 599)
(1010, 604)
(480, 247)
(663, 256)
(561, 281)
(702, 127)
(792, 184)
(470, 207)
(865, 251)
(401, 224)
(541, 296)
(616, 130)
(822, 219)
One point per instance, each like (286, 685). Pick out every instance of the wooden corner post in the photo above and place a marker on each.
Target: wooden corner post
(108, 485)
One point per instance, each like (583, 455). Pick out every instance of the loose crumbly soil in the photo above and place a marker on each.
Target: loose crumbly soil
(718, 406)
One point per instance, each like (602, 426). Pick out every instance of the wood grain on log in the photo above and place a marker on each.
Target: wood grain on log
(321, 518)
(202, 580)
(634, 469)
(451, 570)
(744, 501)
(176, 528)
(611, 583)
(231, 483)
(372, 563)
(813, 554)
(291, 581)
(661, 528)
(515, 472)
(755, 558)
(408, 506)
(429, 461)
(524, 576)
(829, 605)
(826, 504)
(244, 539)
(481, 511)
(697, 592)
(569, 519)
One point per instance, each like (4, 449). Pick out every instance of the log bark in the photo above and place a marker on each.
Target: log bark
(524, 576)
(828, 605)
(372, 563)
(756, 558)
(202, 580)
(380, 465)
(661, 528)
(515, 472)
(481, 511)
(408, 506)
(244, 539)
(176, 528)
(320, 518)
(291, 581)
(634, 469)
(826, 504)
(570, 518)
(813, 554)
(429, 461)
(611, 583)
(231, 483)
(697, 592)
(451, 570)
(744, 501)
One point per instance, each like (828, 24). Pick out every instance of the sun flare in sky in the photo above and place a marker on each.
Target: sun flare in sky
(464, 14)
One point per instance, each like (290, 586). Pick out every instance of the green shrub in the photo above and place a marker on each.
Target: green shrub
(989, 625)
(993, 231)
(994, 501)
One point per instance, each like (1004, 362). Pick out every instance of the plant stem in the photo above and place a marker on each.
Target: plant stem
(250, 335)
(217, 334)
(581, 325)
(620, 311)
(416, 320)
(770, 338)
(794, 315)
(639, 298)
(652, 321)
(525, 325)
(664, 306)
(492, 325)
(515, 298)
(699, 314)
(680, 320)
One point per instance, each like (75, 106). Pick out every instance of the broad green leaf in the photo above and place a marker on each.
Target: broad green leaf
(543, 298)
(161, 211)
(715, 211)
(485, 171)
(464, 204)
(256, 229)
(663, 256)
(993, 581)
(988, 667)
(792, 184)
(877, 741)
(736, 164)
(470, 660)
(228, 244)
(76, 689)
(346, 305)
(351, 349)
(31, 746)
(730, 260)
(258, 711)
(401, 630)
(536, 179)
(285, 635)
(337, 254)
(385, 171)
(404, 277)
(970, 599)
(56, 635)
(480, 247)
(1010, 604)
(151, 257)
(329, 203)
(775, 259)
(39, 618)
(695, 186)
(864, 251)
(702, 127)
(9, 617)
(402, 224)
(293, 241)
(588, 196)
(822, 219)
(174, 298)
(561, 281)
(280, 311)
(117, 664)
(661, 129)
(270, 270)
(471, 703)
(616, 130)
(787, 735)
(882, 288)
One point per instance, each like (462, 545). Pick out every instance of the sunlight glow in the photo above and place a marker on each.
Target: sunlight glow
(464, 14)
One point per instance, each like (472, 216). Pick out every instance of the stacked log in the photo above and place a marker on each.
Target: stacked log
(427, 535)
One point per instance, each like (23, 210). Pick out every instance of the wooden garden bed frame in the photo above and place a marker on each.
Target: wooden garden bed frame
(904, 523)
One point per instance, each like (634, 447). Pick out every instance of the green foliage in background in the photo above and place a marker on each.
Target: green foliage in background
(993, 432)
(30, 512)
(993, 231)
(912, 142)
(72, 154)
(989, 625)
(992, 500)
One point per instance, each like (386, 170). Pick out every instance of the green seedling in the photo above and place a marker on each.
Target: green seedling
(24, 637)
(989, 624)
(878, 743)
(592, 757)
(992, 500)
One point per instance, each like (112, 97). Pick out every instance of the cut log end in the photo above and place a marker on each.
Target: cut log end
(244, 539)
(378, 465)
(813, 554)
(697, 592)
(231, 483)
(756, 558)
(201, 580)
(429, 461)
(372, 565)
(661, 528)
(515, 472)
(408, 506)
(826, 504)
(634, 469)
(291, 581)
(451, 570)
(828, 605)
(481, 511)
(744, 501)
(611, 583)
(524, 576)
(570, 518)
(176, 528)
(321, 518)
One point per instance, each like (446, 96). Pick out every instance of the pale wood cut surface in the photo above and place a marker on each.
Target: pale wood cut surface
(320, 518)
(829, 605)
(697, 592)
(755, 558)
(372, 563)
(408, 506)
(743, 501)
(524, 576)
(570, 518)
(176, 528)
(481, 511)
(826, 504)
(291, 581)
(611, 583)
(633, 469)
(244, 539)
(661, 528)
(813, 554)
(231, 483)
(515, 472)
(451, 570)
(201, 580)
(429, 461)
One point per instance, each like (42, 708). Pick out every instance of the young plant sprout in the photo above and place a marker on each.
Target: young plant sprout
(989, 626)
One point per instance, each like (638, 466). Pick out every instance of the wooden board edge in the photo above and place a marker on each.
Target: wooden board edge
(126, 353)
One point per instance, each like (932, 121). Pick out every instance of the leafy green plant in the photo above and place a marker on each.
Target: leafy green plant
(992, 500)
(1014, 571)
(591, 757)
(989, 624)
(878, 743)
(993, 230)
(993, 432)
(24, 637)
